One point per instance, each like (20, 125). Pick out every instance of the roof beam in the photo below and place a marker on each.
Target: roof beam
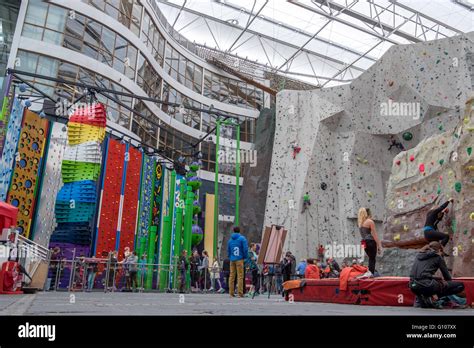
(303, 33)
(268, 37)
(249, 23)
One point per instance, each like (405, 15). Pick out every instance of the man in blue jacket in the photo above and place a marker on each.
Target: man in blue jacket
(237, 251)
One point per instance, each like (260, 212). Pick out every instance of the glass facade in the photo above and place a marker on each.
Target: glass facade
(39, 64)
(8, 17)
(75, 31)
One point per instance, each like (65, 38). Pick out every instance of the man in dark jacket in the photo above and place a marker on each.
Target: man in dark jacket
(226, 271)
(422, 281)
(237, 251)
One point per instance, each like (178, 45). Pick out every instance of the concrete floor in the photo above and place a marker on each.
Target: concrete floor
(98, 303)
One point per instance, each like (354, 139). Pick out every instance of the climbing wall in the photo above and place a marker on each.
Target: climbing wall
(25, 178)
(76, 202)
(146, 197)
(437, 169)
(10, 147)
(45, 221)
(131, 187)
(344, 135)
(119, 198)
(110, 197)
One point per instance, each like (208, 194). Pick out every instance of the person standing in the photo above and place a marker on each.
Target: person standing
(434, 217)
(195, 261)
(237, 251)
(288, 266)
(204, 267)
(183, 268)
(370, 240)
(251, 264)
(55, 263)
(92, 271)
(215, 277)
(226, 271)
(133, 270)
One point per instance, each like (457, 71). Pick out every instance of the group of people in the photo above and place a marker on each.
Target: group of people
(126, 275)
(242, 260)
(429, 289)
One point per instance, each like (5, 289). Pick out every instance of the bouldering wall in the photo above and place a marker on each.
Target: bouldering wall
(253, 194)
(334, 143)
(437, 169)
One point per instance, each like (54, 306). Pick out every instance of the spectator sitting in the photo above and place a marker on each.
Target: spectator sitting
(300, 269)
(312, 270)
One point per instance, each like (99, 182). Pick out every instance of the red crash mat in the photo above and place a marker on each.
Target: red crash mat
(386, 291)
(325, 290)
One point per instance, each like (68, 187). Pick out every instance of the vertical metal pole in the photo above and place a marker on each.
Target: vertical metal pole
(237, 178)
(216, 188)
(178, 233)
(150, 256)
(73, 268)
(188, 224)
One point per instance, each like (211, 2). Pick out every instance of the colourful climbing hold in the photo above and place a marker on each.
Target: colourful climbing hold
(441, 161)
(471, 216)
(458, 186)
(421, 168)
(398, 162)
(370, 194)
(396, 237)
(412, 158)
(405, 228)
(469, 151)
(407, 136)
(440, 127)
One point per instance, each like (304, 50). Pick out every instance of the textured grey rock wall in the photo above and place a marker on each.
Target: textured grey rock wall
(344, 134)
(254, 193)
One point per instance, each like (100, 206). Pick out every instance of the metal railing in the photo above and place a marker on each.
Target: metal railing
(106, 275)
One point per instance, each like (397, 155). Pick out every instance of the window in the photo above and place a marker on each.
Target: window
(36, 13)
(56, 18)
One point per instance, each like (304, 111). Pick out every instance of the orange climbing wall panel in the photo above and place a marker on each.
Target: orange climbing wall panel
(23, 188)
(110, 198)
(130, 201)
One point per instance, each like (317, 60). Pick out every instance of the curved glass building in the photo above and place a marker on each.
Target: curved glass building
(123, 45)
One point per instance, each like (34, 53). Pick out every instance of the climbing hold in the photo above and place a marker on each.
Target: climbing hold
(441, 161)
(440, 127)
(412, 158)
(471, 216)
(396, 237)
(421, 168)
(370, 194)
(407, 136)
(390, 83)
(323, 186)
(457, 187)
(469, 151)
(22, 87)
(398, 162)
(405, 228)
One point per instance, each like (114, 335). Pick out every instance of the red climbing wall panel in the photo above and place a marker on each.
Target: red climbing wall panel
(130, 202)
(110, 198)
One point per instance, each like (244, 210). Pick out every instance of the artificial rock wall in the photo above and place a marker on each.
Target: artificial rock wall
(344, 134)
